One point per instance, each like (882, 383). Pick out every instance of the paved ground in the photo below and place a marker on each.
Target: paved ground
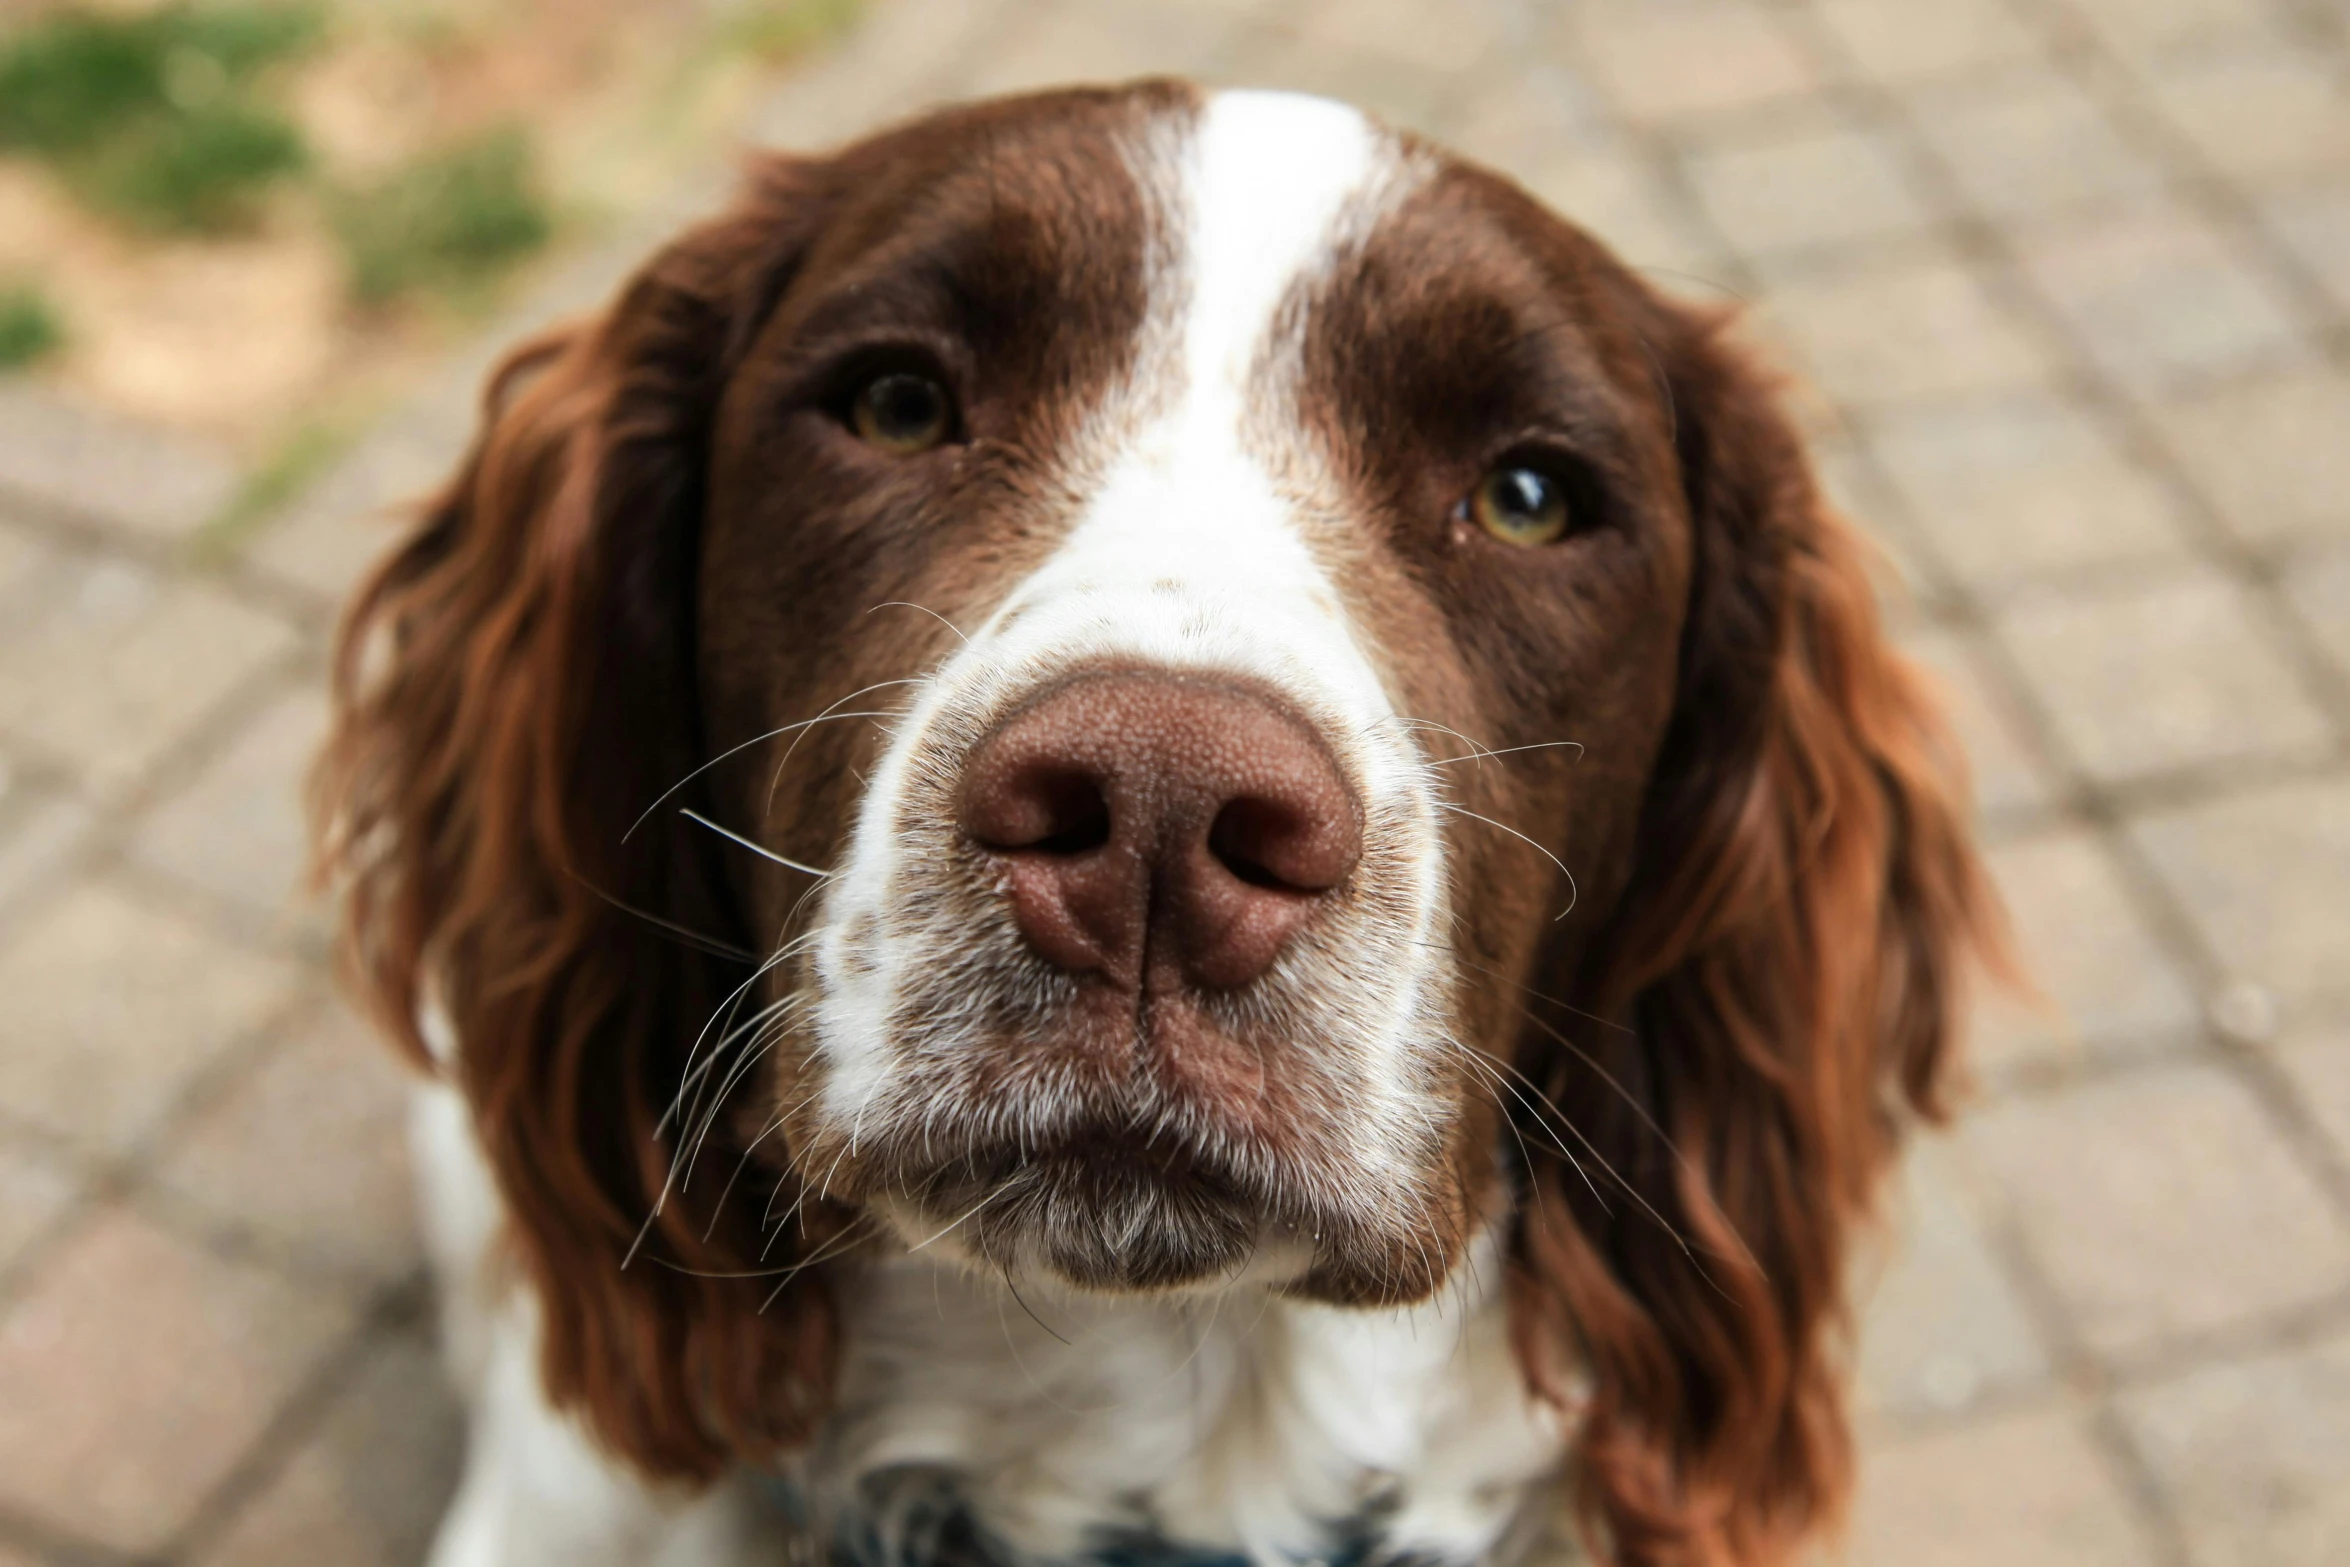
(2069, 285)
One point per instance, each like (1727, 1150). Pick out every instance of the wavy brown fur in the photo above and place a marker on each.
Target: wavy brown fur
(1786, 967)
(512, 686)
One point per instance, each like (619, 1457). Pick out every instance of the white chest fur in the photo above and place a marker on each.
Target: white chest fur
(1235, 1420)
(1238, 1420)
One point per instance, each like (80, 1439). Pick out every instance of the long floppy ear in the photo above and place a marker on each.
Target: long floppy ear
(1775, 994)
(513, 686)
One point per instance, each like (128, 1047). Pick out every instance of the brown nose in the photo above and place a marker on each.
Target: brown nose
(1160, 830)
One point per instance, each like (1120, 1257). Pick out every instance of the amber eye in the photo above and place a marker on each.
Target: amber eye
(901, 412)
(1520, 505)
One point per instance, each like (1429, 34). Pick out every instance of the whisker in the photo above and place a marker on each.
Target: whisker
(958, 1224)
(1671, 1230)
(690, 814)
(1510, 750)
(692, 1074)
(1589, 1017)
(685, 933)
(709, 1122)
(831, 1248)
(1477, 748)
(829, 713)
(696, 1064)
(1014, 1290)
(848, 1237)
(1631, 1101)
(1502, 1082)
(740, 1164)
(1476, 1060)
(1574, 893)
(1563, 1119)
(755, 740)
(927, 610)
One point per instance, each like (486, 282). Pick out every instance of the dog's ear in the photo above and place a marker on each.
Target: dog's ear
(1741, 1041)
(514, 686)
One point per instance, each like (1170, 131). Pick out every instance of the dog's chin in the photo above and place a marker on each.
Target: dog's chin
(1103, 1220)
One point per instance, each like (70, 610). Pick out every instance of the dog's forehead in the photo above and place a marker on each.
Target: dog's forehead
(1268, 186)
(1220, 199)
(1196, 486)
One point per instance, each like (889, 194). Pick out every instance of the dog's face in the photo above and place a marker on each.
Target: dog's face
(1272, 566)
(1152, 688)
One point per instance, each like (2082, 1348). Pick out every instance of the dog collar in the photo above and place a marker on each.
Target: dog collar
(936, 1529)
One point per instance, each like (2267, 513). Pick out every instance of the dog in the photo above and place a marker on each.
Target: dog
(1141, 826)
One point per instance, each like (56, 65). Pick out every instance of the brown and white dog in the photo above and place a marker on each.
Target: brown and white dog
(1142, 826)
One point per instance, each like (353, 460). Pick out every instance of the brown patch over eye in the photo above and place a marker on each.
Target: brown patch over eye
(1521, 505)
(901, 412)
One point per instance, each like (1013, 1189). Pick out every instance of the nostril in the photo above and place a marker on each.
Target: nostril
(1267, 844)
(1044, 810)
(1079, 816)
(1237, 841)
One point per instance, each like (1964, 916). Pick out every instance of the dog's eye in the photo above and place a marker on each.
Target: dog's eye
(1521, 505)
(901, 412)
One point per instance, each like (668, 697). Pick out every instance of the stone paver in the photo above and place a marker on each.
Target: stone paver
(2031, 144)
(1825, 186)
(237, 830)
(1687, 58)
(1903, 329)
(2162, 1205)
(2109, 987)
(1611, 193)
(2318, 584)
(2268, 453)
(2314, 223)
(1896, 42)
(307, 1154)
(2160, 297)
(23, 560)
(2255, 1456)
(34, 1189)
(135, 1372)
(367, 1490)
(2175, 674)
(127, 666)
(2064, 290)
(114, 1007)
(2016, 486)
(2316, 1060)
(148, 485)
(2258, 108)
(2260, 874)
(2140, 27)
(2011, 782)
(38, 836)
(1944, 1326)
(2022, 1490)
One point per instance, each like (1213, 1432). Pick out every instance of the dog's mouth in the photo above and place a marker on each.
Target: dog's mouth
(1104, 1210)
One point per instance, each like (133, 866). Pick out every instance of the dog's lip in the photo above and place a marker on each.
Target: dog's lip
(1173, 1160)
(1005, 1208)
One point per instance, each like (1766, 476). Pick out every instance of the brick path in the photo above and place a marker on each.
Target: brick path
(2068, 283)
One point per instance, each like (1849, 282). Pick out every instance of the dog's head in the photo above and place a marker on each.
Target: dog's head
(1157, 689)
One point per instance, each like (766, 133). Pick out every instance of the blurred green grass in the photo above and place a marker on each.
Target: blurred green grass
(29, 326)
(169, 122)
(163, 120)
(447, 221)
